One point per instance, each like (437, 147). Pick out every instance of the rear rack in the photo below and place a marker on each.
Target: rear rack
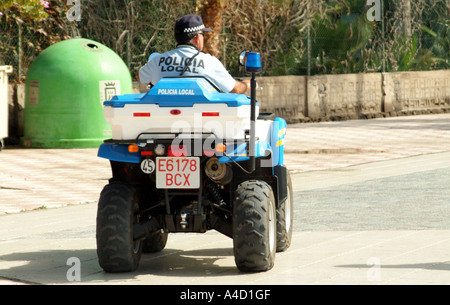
(171, 136)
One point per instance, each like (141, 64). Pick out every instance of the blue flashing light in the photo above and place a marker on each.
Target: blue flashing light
(253, 63)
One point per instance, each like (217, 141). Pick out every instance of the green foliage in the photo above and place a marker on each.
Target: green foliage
(27, 27)
(440, 46)
(338, 38)
(23, 10)
(341, 38)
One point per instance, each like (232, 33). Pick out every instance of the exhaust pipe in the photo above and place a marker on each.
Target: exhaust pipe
(218, 172)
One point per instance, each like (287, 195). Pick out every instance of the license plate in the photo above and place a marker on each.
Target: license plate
(178, 172)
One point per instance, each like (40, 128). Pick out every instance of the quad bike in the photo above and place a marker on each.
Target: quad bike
(187, 158)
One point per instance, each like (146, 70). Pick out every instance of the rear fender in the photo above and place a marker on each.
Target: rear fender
(118, 152)
(277, 141)
(240, 152)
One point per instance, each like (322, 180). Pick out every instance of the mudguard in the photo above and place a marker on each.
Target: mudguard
(277, 143)
(117, 152)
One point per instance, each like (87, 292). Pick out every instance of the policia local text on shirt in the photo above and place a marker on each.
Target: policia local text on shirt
(189, 60)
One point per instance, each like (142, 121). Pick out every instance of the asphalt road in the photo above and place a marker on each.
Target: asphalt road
(383, 222)
(401, 194)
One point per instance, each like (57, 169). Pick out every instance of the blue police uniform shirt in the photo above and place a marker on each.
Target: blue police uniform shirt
(173, 62)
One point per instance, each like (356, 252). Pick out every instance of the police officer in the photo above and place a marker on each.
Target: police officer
(189, 60)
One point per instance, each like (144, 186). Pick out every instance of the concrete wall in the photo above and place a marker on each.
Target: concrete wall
(324, 97)
(415, 92)
(282, 95)
(348, 96)
(355, 96)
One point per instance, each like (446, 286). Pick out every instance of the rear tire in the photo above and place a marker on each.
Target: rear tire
(285, 217)
(155, 243)
(116, 214)
(254, 226)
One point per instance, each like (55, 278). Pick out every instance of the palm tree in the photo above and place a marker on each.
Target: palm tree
(212, 13)
(339, 37)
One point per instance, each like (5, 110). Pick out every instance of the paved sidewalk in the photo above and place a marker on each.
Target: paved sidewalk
(320, 146)
(316, 153)
(46, 178)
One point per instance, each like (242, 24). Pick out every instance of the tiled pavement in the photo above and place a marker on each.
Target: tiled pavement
(45, 178)
(339, 144)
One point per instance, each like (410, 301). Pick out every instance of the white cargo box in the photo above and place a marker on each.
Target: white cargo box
(179, 105)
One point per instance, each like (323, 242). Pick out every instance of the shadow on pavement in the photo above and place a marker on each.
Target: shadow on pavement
(50, 266)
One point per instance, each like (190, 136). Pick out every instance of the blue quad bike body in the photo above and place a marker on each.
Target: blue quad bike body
(187, 158)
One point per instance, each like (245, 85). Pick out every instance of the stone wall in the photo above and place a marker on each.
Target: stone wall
(348, 96)
(324, 97)
(282, 95)
(417, 92)
(355, 96)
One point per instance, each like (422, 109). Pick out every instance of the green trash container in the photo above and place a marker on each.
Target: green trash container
(65, 89)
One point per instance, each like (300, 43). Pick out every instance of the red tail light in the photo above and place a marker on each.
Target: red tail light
(210, 114)
(177, 151)
(141, 114)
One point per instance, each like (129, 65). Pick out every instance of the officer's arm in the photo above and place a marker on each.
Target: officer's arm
(241, 86)
(144, 75)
